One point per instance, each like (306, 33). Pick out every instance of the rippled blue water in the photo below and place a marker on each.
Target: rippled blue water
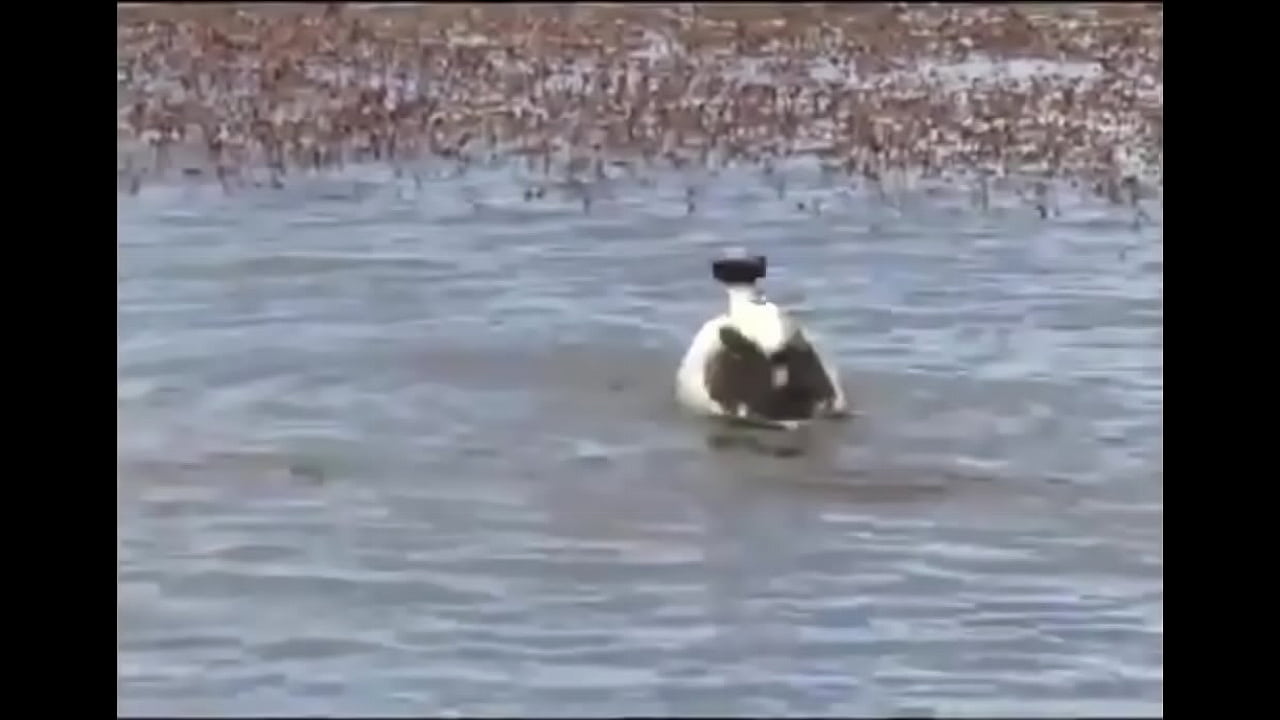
(399, 447)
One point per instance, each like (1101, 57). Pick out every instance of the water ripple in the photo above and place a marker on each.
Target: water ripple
(381, 450)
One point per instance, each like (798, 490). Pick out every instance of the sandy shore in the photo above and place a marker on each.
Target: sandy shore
(1041, 91)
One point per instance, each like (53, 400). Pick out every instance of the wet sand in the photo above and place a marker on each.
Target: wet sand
(1038, 93)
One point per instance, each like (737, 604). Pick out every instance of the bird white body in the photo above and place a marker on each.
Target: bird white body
(770, 329)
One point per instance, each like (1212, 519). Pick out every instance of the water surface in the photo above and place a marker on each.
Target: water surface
(398, 446)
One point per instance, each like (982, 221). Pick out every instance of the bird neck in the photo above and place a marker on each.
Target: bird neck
(743, 296)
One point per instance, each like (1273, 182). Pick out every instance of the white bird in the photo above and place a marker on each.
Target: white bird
(755, 362)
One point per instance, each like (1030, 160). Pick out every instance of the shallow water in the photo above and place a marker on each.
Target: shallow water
(398, 446)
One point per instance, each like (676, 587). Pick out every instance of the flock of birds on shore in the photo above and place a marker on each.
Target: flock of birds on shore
(881, 93)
